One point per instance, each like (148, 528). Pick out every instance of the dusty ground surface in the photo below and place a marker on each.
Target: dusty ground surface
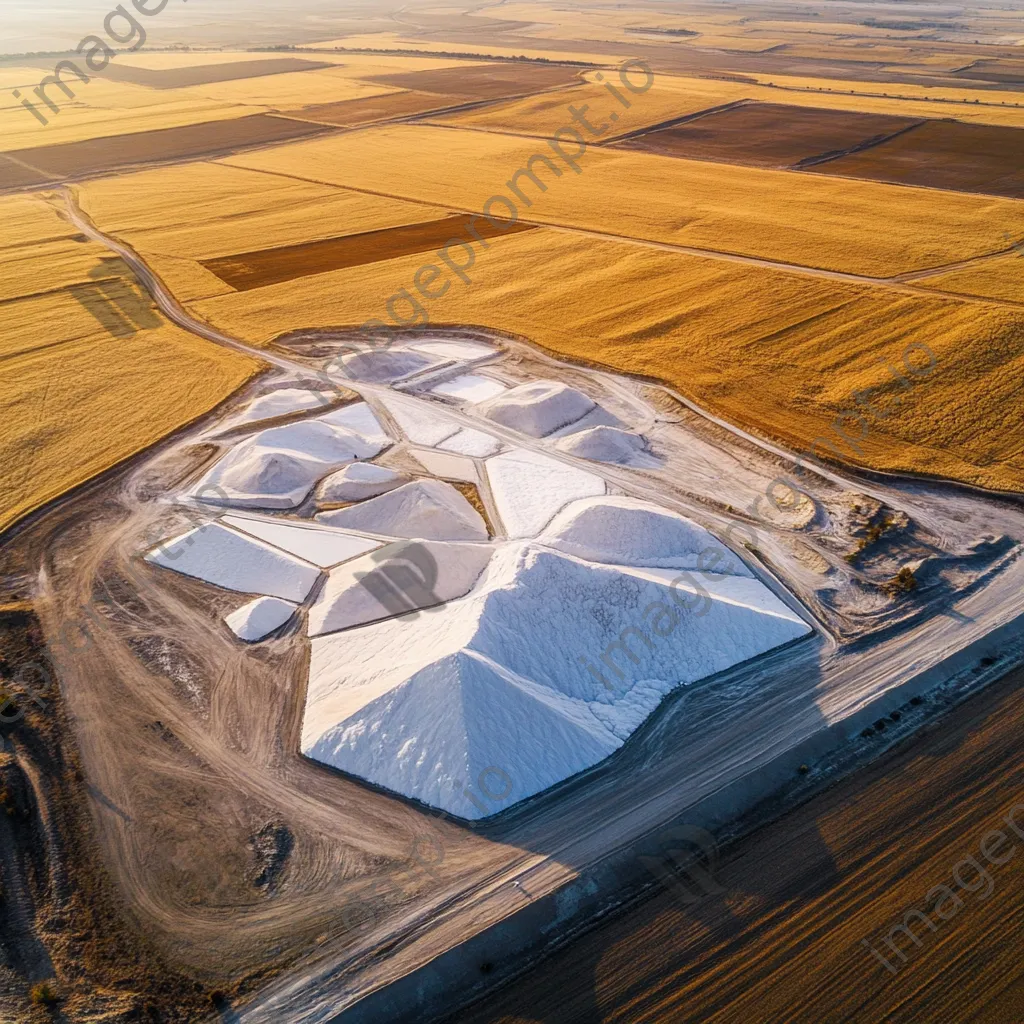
(783, 942)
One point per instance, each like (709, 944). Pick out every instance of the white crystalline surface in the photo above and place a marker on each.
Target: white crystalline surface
(608, 444)
(538, 408)
(357, 481)
(253, 621)
(464, 350)
(360, 419)
(471, 442)
(428, 509)
(283, 403)
(448, 465)
(529, 488)
(545, 668)
(628, 531)
(218, 555)
(386, 365)
(420, 423)
(400, 579)
(319, 545)
(471, 387)
(277, 467)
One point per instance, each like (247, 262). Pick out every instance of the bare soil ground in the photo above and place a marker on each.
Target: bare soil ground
(486, 81)
(784, 941)
(61, 919)
(770, 135)
(353, 113)
(272, 266)
(207, 74)
(92, 156)
(944, 154)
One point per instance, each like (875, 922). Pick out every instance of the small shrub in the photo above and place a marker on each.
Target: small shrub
(902, 583)
(486, 967)
(44, 994)
(803, 769)
(880, 725)
(895, 716)
(867, 732)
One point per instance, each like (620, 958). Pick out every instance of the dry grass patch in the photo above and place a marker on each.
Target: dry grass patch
(779, 353)
(998, 278)
(812, 220)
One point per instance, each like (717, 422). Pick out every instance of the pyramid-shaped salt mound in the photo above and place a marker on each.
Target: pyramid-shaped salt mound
(548, 665)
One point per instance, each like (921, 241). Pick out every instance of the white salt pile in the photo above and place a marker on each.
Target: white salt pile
(429, 509)
(319, 545)
(547, 666)
(608, 444)
(253, 621)
(283, 402)
(538, 408)
(387, 365)
(529, 488)
(467, 351)
(396, 580)
(218, 555)
(470, 387)
(628, 531)
(358, 481)
(419, 422)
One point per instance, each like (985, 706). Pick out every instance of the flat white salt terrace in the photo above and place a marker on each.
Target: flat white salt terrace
(359, 418)
(421, 423)
(472, 442)
(466, 351)
(221, 556)
(447, 465)
(529, 488)
(319, 545)
(470, 388)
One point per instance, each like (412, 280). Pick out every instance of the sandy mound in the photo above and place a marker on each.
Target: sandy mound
(231, 560)
(253, 621)
(358, 481)
(538, 408)
(423, 705)
(428, 509)
(628, 531)
(394, 581)
(608, 444)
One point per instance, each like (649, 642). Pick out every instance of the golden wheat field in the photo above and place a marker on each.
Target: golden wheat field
(92, 372)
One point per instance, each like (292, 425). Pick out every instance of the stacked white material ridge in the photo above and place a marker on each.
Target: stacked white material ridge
(283, 402)
(278, 467)
(538, 408)
(358, 418)
(628, 531)
(358, 481)
(428, 509)
(547, 666)
(231, 560)
(470, 388)
(608, 444)
(319, 545)
(380, 365)
(530, 487)
(253, 621)
(398, 579)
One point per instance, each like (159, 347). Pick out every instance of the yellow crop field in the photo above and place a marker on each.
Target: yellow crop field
(669, 96)
(88, 381)
(775, 351)
(234, 210)
(810, 220)
(998, 278)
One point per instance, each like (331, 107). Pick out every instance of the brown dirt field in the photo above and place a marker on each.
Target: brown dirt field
(13, 175)
(784, 942)
(92, 156)
(288, 262)
(353, 113)
(1002, 71)
(944, 154)
(206, 74)
(62, 918)
(769, 134)
(483, 82)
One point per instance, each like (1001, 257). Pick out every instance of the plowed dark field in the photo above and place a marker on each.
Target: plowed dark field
(352, 113)
(484, 82)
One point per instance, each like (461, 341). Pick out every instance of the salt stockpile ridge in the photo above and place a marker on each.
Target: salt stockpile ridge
(628, 531)
(319, 545)
(410, 577)
(428, 509)
(283, 402)
(358, 481)
(538, 408)
(608, 444)
(225, 558)
(255, 620)
(542, 670)
(380, 366)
